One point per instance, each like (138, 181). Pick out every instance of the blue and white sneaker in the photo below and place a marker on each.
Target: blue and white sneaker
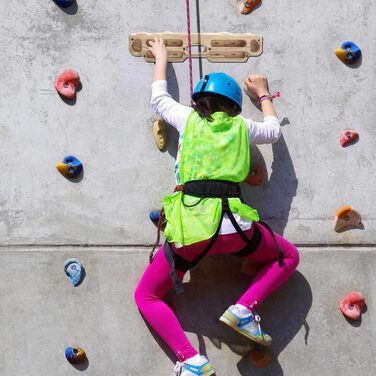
(246, 324)
(196, 366)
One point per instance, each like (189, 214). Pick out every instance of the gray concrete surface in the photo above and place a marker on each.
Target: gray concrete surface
(109, 127)
(41, 314)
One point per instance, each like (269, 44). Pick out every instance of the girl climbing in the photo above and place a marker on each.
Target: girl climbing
(206, 215)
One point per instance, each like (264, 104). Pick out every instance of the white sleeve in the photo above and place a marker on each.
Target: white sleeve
(168, 109)
(266, 132)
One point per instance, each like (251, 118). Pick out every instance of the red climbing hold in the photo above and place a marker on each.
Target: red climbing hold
(66, 83)
(352, 305)
(347, 137)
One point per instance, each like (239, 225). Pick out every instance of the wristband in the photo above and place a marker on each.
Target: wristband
(269, 97)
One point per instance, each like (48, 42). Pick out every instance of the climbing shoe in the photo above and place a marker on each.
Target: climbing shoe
(246, 324)
(196, 366)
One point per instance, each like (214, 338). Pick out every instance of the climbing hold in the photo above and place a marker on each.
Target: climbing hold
(347, 137)
(216, 47)
(347, 218)
(160, 134)
(348, 53)
(154, 216)
(75, 355)
(73, 269)
(249, 269)
(66, 83)
(70, 167)
(248, 6)
(256, 175)
(64, 3)
(352, 305)
(260, 358)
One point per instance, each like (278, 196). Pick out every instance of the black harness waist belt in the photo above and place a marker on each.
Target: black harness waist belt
(215, 189)
(212, 188)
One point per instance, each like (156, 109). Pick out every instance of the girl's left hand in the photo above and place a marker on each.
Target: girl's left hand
(158, 49)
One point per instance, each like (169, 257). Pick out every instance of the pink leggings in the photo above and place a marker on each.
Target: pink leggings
(156, 281)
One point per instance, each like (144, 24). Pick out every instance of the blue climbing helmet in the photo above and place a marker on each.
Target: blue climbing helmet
(221, 84)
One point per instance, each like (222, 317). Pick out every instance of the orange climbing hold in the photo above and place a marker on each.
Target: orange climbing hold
(260, 358)
(249, 269)
(347, 218)
(347, 137)
(352, 304)
(248, 6)
(256, 175)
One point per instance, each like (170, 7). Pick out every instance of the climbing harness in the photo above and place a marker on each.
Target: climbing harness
(213, 189)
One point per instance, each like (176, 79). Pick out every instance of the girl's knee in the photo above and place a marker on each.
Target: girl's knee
(293, 256)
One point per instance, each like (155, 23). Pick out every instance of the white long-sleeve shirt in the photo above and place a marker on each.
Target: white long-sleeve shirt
(176, 114)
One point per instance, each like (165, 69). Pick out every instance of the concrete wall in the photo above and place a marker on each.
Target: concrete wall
(109, 127)
(125, 176)
(41, 314)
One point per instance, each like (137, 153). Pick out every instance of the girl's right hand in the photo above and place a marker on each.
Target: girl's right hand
(257, 84)
(158, 49)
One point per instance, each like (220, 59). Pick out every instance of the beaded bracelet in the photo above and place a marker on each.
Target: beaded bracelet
(269, 97)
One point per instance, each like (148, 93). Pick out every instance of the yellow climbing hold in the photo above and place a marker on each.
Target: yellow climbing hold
(160, 134)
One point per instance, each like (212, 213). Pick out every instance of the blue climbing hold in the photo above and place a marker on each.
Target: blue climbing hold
(154, 216)
(70, 167)
(349, 52)
(75, 355)
(64, 3)
(73, 269)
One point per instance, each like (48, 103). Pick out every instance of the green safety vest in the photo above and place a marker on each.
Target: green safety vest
(211, 150)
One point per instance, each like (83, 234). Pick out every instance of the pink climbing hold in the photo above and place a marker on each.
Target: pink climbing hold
(347, 137)
(352, 305)
(66, 83)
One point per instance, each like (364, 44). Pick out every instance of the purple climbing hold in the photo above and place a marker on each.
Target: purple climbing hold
(64, 3)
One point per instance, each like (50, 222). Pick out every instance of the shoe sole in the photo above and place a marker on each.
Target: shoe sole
(208, 372)
(211, 372)
(226, 321)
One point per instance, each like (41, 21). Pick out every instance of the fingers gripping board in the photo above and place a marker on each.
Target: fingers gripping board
(216, 47)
